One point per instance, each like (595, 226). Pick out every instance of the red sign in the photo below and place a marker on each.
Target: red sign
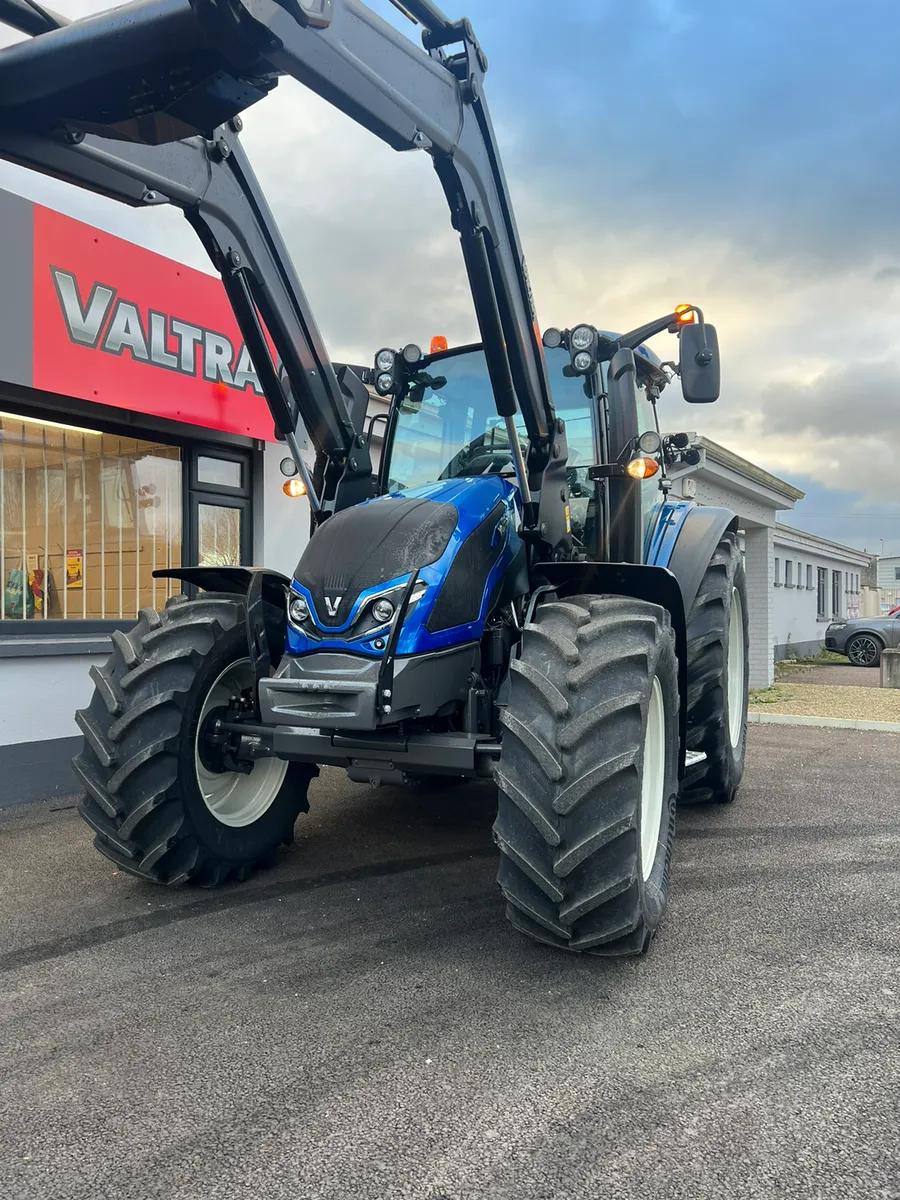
(120, 325)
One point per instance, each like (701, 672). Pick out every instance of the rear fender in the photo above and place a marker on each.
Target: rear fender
(263, 590)
(656, 585)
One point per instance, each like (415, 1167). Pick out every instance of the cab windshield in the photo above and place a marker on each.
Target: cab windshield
(448, 427)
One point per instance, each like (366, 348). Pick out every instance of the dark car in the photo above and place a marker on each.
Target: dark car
(864, 638)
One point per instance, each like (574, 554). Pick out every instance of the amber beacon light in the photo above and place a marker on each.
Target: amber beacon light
(642, 468)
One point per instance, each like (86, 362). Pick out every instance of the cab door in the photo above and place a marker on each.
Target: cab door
(633, 507)
(651, 493)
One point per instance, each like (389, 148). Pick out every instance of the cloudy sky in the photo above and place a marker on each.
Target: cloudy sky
(739, 156)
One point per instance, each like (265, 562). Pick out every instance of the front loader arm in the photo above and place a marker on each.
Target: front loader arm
(142, 103)
(214, 185)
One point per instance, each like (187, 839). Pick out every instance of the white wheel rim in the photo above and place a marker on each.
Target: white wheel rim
(653, 783)
(232, 798)
(736, 669)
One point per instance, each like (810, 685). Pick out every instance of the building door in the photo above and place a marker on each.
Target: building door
(220, 509)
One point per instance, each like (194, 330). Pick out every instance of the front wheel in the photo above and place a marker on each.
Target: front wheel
(161, 802)
(588, 774)
(864, 650)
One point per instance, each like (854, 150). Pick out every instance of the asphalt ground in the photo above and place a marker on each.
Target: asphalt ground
(360, 1021)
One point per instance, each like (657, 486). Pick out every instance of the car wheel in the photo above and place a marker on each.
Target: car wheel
(864, 650)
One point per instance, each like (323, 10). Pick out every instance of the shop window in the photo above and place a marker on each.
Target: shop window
(85, 518)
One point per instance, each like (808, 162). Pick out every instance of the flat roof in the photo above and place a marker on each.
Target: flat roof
(790, 532)
(743, 466)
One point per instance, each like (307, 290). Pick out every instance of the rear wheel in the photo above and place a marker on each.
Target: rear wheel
(864, 650)
(588, 775)
(717, 685)
(161, 804)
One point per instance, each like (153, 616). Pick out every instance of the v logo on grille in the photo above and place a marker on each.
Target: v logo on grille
(332, 604)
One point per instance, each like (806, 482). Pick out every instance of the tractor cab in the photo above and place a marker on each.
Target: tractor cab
(443, 425)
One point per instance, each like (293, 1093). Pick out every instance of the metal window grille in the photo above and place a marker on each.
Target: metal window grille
(85, 518)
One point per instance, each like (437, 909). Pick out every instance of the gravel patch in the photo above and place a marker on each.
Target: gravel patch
(823, 700)
(830, 675)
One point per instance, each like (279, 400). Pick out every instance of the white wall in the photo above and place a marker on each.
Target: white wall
(283, 521)
(40, 696)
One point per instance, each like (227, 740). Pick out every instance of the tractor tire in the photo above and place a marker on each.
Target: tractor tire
(717, 679)
(156, 808)
(588, 775)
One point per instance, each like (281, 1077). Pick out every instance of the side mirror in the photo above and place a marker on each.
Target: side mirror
(699, 365)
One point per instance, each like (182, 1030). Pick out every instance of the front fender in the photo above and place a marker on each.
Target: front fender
(236, 580)
(684, 541)
(264, 591)
(654, 584)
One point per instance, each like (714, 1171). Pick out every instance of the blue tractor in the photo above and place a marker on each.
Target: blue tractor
(514, 596)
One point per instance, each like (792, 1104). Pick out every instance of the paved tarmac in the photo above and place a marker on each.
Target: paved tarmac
(359, 1022)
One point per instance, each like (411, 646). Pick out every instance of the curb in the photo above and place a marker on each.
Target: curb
(759, 718)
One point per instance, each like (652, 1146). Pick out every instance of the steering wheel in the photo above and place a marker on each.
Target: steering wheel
(477, 459)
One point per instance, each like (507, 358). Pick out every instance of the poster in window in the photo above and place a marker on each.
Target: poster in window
(74, 572)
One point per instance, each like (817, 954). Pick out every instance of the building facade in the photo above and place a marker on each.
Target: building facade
(815, 581)
(133, 437)
(796, 582)
(888, 579)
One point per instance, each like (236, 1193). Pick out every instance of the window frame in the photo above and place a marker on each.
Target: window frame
(822, 593)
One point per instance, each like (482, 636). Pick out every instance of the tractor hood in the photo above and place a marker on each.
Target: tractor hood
(459, 534)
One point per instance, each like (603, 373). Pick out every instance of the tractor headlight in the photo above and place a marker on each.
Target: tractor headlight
(382, 610)
(582, 337)
(650, 442)
(582, 361)
(384, 360)
(384, 383)
(411, 354)
(299, 610)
